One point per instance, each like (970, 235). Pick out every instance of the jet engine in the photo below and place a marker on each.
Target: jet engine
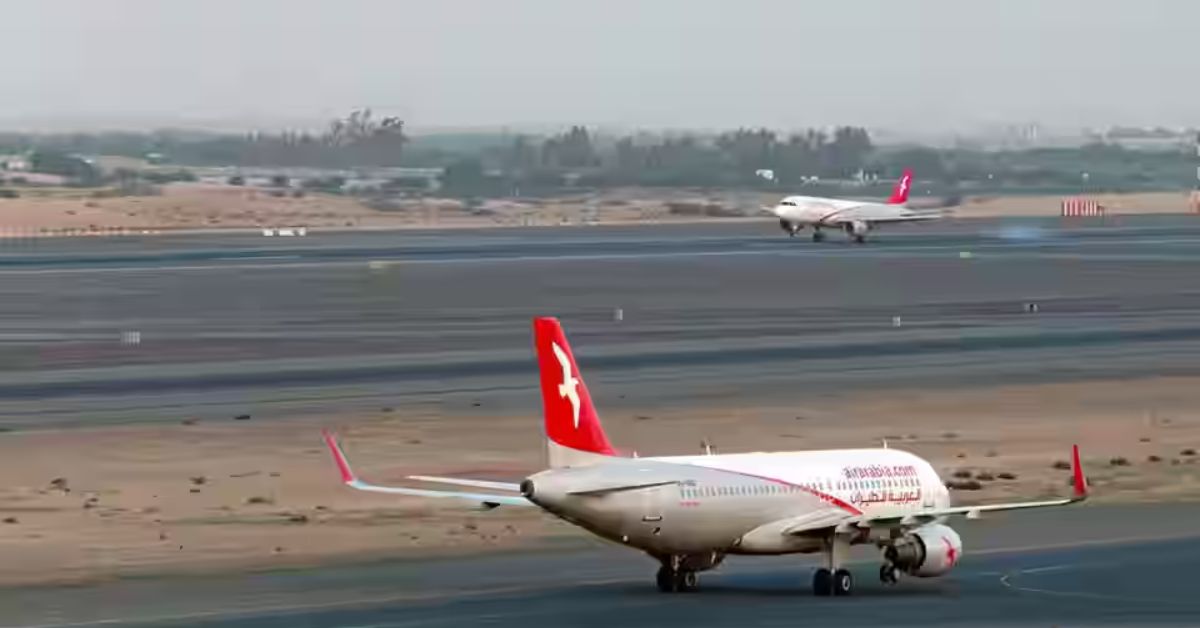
(857, 228)
(789, 226)
(927, 551)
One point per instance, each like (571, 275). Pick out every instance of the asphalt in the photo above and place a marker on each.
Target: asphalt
(1085, 566)
(280, 327)
(229, 324)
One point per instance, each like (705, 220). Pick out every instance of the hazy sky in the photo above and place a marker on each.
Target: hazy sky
(924, 64)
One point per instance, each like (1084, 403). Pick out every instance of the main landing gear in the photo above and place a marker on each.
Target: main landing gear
(675, 581)
(834, 579)
(673, 577)
(818, 235)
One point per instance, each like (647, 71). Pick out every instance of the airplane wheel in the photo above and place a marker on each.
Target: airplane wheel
(822, 582)
(665, 580)
(860, 239)
(685, 581)
(818, 236)
(843, 583)
(888, 574)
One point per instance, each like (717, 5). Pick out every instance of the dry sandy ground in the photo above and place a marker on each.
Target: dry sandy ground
(242, 494)
(1114, 204)
(42, 211)
(190, 206)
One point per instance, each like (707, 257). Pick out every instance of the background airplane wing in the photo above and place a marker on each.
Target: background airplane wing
(349, 479)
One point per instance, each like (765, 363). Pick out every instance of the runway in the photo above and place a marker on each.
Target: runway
(106, 331)
(1086, 566)
(116, 330)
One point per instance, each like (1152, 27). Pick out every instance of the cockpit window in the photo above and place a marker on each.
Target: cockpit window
(788, 203)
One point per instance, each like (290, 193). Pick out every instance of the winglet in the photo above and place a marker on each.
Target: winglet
(1078, 479)
(339, 458)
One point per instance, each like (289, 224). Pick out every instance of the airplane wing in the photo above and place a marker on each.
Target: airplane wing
(909, 217)
(349, 479)
(915, 519)
(884, 214)
(488, 484)
(1078, 482)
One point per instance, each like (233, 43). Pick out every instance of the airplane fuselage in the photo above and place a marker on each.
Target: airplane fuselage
(736, 503)
(819, 212)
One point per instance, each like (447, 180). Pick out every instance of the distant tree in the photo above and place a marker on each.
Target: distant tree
(572, 149)
(926, 162)
(466, 177)
(170, 176)
(330, 185)
(65, 165)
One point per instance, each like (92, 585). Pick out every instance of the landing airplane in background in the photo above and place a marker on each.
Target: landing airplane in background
(689, 512)
(856, 218)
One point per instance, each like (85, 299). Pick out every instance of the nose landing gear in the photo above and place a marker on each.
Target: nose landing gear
(889, 574)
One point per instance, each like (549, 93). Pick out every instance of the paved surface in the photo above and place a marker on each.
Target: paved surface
(1071, 567)
(277, 327)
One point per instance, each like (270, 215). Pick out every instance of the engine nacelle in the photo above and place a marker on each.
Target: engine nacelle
(857, 227)
(927, 551)
(789, 226)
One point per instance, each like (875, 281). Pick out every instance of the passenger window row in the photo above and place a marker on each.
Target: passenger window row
(695, 492)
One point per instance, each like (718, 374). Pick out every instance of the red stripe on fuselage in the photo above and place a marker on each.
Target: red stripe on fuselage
(822, 219)
(825, 497)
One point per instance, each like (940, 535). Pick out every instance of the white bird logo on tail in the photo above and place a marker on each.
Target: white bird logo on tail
(567, 389)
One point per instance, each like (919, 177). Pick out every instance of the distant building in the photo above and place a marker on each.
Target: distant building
(14, 163)
(1147, 139)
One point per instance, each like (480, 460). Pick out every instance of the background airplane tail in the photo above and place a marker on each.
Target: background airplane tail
(900, 192)
(574, 436)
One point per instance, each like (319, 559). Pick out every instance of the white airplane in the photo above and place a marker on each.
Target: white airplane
(856, 218)
(689, 512)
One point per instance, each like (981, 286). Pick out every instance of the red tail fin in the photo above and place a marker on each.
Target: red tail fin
(900, 192)
(572, 425)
